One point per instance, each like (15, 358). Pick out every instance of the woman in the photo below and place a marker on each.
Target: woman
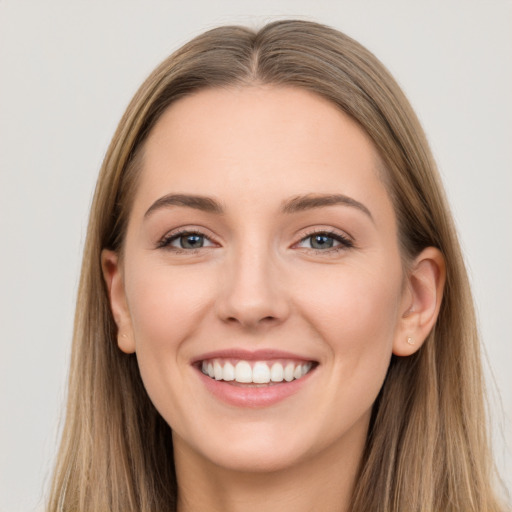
(273, 311)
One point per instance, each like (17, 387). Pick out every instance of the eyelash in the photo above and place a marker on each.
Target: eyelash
(345, 242)
(166, 241)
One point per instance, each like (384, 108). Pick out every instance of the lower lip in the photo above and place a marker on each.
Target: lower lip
(253, 397)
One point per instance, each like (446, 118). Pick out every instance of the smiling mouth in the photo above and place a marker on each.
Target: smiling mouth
(242, 372)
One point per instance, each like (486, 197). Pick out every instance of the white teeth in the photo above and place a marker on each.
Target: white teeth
(243, 372)
(217, 370)
(259, 373)
(229, 372)
(288, 372)
(277, 372)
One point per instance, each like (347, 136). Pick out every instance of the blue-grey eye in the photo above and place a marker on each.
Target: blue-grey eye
(185, 240)
(325, 241)
(190, 241)
(321, 241)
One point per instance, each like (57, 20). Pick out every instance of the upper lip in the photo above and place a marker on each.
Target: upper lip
(251, 355)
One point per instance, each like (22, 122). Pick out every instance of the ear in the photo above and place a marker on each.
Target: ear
(421, 301)
(112, 273)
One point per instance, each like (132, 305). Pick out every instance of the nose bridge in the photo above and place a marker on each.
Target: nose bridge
(252, 293)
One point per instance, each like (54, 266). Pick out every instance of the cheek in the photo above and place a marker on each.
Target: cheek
(355, 313)
(356, 309)
(165, 305)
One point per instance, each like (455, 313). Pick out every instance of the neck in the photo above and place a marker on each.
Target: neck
(324, 482)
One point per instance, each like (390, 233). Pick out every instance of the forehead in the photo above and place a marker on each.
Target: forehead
(258, 142)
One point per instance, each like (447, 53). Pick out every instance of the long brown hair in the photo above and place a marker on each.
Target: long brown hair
(427, 447)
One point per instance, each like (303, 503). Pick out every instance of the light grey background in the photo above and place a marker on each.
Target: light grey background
(68, 70)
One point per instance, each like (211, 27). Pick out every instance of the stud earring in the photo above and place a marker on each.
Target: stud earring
(410, 340)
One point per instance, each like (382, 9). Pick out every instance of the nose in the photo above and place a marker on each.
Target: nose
(252, 291)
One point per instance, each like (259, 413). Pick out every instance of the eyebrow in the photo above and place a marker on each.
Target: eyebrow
(203, 203)
(309, 201)
(293, 205)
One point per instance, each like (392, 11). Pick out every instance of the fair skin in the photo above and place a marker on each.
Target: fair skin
(293, 259)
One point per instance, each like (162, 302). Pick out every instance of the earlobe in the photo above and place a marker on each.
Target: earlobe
(422, 301)
(113, 277)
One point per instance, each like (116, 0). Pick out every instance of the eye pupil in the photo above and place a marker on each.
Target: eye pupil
(191, 241)
(321, 242)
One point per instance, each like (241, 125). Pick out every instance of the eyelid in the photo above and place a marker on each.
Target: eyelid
(165, 241)
(345, 240)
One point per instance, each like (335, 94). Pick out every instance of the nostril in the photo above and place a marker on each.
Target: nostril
(251, 321)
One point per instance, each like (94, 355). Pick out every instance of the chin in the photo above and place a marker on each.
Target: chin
(247, 459)
(249, 448)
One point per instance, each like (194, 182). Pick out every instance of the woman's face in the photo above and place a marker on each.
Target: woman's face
(261, 249)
